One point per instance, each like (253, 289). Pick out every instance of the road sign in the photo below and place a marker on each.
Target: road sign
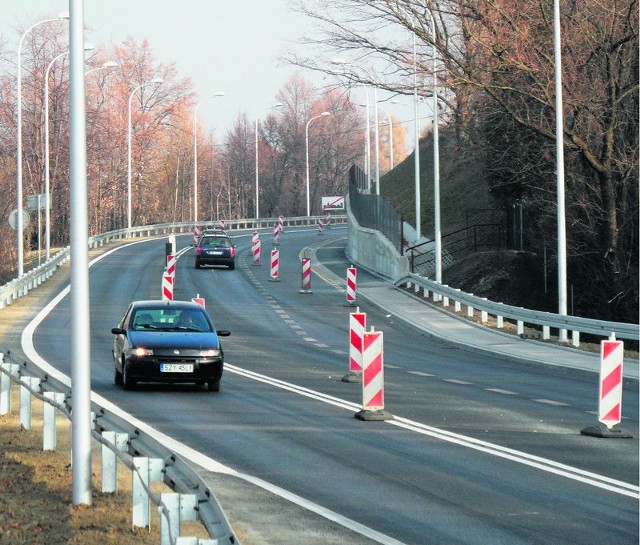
(37, 202)
(333, 203)
(13, 219)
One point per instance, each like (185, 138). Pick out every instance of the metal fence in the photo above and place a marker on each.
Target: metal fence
(373, 212)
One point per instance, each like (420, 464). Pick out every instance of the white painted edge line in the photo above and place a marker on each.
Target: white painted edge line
(179, 448)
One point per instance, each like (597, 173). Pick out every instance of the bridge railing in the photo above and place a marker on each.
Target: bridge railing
(521, 316)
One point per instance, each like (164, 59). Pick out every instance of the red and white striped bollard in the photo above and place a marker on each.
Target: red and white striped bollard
(255, 248)
(352, 275)
(357, 327)
(320, 227)
(167, 287)
(306, 276)
(275, 266)
(196, 234)
(609, 392)
(373, 377)
(171, 265)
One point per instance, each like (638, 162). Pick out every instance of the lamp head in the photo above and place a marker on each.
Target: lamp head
(63, 15)
(157, 80)
(110, 64)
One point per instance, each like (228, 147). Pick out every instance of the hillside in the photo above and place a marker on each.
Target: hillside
(506, 276)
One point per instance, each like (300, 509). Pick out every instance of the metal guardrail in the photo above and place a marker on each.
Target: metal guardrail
(147, 459)
(19, 287)
(522, 316)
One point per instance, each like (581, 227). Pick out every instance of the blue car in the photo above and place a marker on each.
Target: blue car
(167, 341)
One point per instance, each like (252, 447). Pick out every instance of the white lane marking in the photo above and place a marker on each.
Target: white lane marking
(457, 381)
(551, 402)
(544, 464)
(501, 391)
(420, 374)
(176, 446)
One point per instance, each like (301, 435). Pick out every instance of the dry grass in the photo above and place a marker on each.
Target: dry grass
(36, 493)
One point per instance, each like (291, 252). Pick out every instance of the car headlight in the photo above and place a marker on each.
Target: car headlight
(211, 353)
(140, 352)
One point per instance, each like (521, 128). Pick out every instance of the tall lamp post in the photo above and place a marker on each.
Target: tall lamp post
(562, 228)
(390, 137)
(19, 222)
(277, 105)
(195, 153)
(375, 116)
(155, 81)
(47, 191)
(306, 132)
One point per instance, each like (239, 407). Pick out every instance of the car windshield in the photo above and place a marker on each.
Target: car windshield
(170, 319)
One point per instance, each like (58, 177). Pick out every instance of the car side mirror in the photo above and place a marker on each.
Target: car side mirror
(223, 332)
(118, 331)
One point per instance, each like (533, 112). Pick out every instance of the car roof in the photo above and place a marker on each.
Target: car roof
(177, 305)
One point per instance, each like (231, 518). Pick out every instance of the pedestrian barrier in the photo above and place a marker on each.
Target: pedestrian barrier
(149, 461)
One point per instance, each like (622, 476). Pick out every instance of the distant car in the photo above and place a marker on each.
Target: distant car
(167, 341)
(215, 249)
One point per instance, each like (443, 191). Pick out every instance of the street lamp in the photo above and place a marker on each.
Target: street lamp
(19, 223)
(562, 227)
(390, 138)
(105, 65)
(195, 153)
(155, 81)
(375, 116)
(306, 132)
(277, 105)
(47, 198)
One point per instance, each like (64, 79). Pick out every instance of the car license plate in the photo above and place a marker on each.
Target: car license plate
(217, 252)
(176, 368)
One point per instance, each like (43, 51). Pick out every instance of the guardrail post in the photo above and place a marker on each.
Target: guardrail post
(575, 338)
(49, 419)
(145, 470)
(500, 321)
(546, 332)
(25, 400)
(484, 315)
(520, 330)
(5, 385)
(181, 508)
(469, 311)
(110, 460)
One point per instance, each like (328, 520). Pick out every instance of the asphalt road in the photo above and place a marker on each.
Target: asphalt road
(440, 472)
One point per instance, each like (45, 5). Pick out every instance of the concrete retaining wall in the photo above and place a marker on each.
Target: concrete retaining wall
(373, 251)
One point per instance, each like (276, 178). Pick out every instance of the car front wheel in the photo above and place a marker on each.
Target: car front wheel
(118, 378)
(213, 385)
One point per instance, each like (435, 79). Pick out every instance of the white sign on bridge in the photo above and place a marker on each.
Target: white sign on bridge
(332, 203)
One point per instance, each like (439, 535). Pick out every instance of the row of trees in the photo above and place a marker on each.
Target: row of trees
(162, 159)
(495, 72)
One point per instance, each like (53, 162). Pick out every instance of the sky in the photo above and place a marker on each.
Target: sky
(230, 46)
